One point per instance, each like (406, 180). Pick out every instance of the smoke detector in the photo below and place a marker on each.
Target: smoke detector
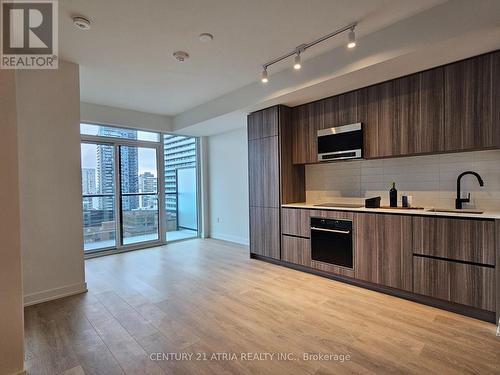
(181, 56)
(81, 23)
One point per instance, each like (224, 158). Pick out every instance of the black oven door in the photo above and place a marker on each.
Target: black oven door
(331, 242)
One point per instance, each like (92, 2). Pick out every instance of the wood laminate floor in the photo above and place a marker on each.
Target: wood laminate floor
(207, 296)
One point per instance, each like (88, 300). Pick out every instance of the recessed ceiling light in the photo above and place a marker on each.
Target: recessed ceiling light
(81, 23)
(181, 56)
(206, 37)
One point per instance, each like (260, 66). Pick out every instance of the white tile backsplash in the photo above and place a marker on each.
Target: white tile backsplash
(430, 179)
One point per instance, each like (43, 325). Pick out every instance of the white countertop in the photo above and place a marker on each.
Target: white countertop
(425, 211)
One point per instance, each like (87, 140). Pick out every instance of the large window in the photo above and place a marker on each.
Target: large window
(139, 188)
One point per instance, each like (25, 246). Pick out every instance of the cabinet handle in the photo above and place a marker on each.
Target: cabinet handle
(331, 230)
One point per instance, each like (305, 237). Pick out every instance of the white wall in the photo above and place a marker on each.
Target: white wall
(101, 114)
(11, 303)
(431, 180)
(49, 178)
(228, 186)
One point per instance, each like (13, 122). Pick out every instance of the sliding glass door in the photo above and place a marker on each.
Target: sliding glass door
(139, 188)
(139, 194)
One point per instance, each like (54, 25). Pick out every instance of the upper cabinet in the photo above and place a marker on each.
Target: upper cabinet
(263, 123)
(469, 104)
(403, 116)
(445, 109)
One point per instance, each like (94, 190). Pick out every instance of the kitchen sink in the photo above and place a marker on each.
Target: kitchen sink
(454, 210)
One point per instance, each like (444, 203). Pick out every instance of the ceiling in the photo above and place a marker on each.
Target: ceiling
(126, 57)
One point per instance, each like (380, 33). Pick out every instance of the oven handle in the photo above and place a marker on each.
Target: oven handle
(331, 230)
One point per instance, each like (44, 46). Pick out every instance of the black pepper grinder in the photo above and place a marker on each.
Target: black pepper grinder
(393, 196)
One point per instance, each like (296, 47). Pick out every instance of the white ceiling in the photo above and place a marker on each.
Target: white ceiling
(126, 58)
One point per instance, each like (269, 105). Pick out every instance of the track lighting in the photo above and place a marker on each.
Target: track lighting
(297, 65)
(297, 52)
(264, 76)
(351, 38)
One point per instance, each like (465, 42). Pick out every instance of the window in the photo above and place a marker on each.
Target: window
(136, 190)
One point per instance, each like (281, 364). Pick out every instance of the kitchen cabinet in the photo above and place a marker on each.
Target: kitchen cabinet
(296, 222)
(305, 122)
(466, 240)
(461, 283)
(403, 116)
(296, 250)
(263, 172)
(272, 178)
(264, 232)
(263, 123)
(383, 249)
(469, 104)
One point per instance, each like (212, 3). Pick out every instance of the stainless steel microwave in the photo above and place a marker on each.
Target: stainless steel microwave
(341, 142)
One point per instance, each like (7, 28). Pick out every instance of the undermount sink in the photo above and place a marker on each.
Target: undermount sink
(454, 210)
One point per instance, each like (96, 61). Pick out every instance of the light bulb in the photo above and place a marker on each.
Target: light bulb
(264, 76)
(297, 65)
(352, 39)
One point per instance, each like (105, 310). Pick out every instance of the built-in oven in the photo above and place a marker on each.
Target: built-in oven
(331, 241)
(341, 142)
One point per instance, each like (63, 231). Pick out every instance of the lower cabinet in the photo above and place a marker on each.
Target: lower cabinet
(462, 283)
(383, 250)
(265, 231)
(296, 250)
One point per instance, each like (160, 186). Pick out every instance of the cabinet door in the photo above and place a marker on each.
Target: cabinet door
(459, 239)
(265, 232)
(304, 137)
(468, 104)
(296, 250)
(495, 138)
(339, 110)
(383, 250)
(456, 282)
(296, 222)
(263, 172)
(263, 123)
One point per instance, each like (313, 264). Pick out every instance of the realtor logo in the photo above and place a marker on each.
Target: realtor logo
(29, 34)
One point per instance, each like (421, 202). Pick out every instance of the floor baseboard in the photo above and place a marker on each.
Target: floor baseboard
(56, 293)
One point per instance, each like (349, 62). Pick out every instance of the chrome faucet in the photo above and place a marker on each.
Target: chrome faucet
(460, 200)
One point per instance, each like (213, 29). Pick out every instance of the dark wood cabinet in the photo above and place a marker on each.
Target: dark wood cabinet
(403, 116)
(263, 123)
(296, 250)
(455, 107)
(296, 222)
(272, 177)
(466, 240)
(383, 249)
(469, 105)
(263, 172)
(461, 283)
(264, 231)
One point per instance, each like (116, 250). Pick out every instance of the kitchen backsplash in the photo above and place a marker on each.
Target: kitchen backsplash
(431, 180)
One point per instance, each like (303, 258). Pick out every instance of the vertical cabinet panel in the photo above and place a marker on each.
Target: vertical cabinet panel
(264, 232)
(456, 282)
(468, 104)
(263, 172)
(304, 136)
(383, 250)
(495, 99)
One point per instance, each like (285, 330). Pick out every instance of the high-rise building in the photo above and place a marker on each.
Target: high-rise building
(88, 187)
(148, 183)
(180, 152)
(128, 166)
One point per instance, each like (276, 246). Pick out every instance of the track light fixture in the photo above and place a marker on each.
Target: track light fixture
(264, 76)
(298, 51)
(351, 39)
(297, 64)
